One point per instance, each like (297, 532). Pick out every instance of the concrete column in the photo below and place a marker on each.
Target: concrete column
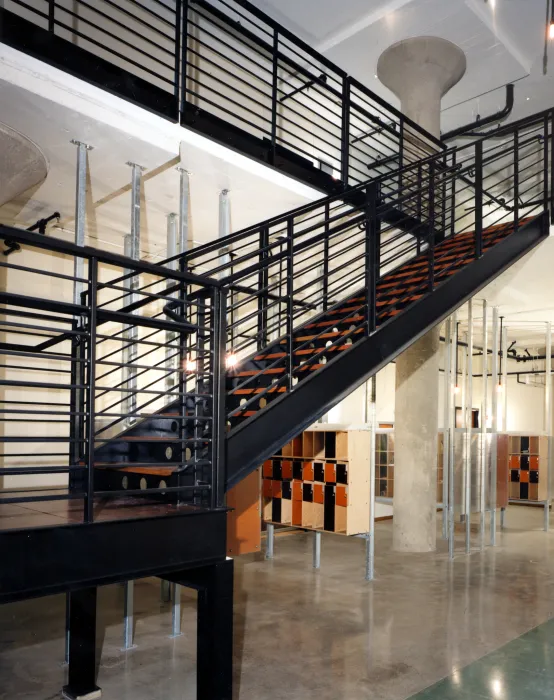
(419, 71)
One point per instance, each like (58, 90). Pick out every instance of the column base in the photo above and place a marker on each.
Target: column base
(93, 694)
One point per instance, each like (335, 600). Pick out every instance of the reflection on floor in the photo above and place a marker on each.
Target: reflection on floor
(520, 670)
(328, 635)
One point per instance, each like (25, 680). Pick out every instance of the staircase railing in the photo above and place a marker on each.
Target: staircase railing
(289, 270)
(229, 71)
(67, 377)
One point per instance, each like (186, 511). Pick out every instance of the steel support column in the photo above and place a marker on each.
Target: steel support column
(494, 424)
(483, 437)
(176, 610)
(81, 680)
(270, 541)
(370, 542)
(504, 395)
(80, 216)
(128, 615)
(317, 550)
(451, 431)
(468, 424)
(132, 250)
(448, 396)
(548, 421)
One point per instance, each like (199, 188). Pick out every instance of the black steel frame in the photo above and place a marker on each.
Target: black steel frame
(229, 71)
(78, 352)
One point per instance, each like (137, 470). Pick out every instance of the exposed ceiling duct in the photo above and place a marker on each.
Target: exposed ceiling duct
(22, 164)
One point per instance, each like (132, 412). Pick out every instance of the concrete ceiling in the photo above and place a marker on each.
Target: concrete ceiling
(503, 41)
(119, 133)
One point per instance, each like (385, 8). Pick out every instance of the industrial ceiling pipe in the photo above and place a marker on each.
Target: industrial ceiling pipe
(468, 129)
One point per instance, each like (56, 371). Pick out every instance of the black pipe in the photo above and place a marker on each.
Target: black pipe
(468, 129)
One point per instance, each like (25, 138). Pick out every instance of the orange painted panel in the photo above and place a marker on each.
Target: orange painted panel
(523, 477)
(514, 462)
(286, 470)
(534, 462)
(277, 489)
(297, 513)
(308, 471)
(297, 490)
(268, 469)
(330, 473)
(267, 488)
(318, 493)
(244, 522)
(341, 498)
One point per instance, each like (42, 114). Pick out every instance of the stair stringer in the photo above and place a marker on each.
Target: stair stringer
(262, 435)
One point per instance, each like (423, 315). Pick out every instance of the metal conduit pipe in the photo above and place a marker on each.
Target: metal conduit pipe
(468, 130)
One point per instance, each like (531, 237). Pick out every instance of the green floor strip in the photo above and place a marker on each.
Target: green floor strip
(520, 670)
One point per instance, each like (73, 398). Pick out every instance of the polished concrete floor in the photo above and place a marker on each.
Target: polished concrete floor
(302, 634)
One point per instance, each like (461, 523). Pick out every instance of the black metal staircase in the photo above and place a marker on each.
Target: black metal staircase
(323, 297)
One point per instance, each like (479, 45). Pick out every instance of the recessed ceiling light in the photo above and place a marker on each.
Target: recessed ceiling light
(528, 98)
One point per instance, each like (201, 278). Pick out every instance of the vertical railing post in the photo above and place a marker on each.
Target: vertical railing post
(431, 223)
(274, 95)
(91, 389)
(345, 132)
(184, 346)
(51, 17)
(325, 281)
(263, 295)
(401, 155)
(219, 335)
(546, 166)
(184, 51)
(177, 56)
(372, 242)
(290, 306)
(478, 199)
(516, 179)
(453, 205)
(552, 166)
(199, 388)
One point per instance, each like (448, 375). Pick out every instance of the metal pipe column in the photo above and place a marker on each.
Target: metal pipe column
(494, 424)
(132, 250)
(370, 542)
(225, 252)
(452, 432)
(128, 615)
(483, 440)
(171, 355)
(504, 341)
(446, 424)
(548, 422)
(78, 287)
(80, 215)
(469, 422)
